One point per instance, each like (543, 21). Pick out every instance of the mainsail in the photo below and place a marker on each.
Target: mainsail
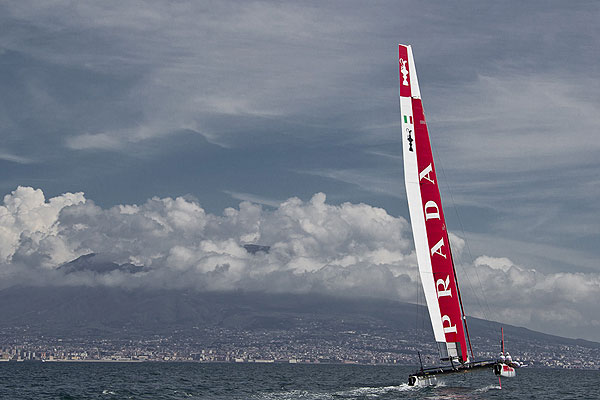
(432, 246)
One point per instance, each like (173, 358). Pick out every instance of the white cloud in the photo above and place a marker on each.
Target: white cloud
(181, 245)
(15, 158)
(560, 303)
(93, 141)
(253, 198)
(349, 249)
(28, 223)
(502, 264)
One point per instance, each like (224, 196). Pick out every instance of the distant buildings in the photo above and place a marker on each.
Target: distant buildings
(294, 346)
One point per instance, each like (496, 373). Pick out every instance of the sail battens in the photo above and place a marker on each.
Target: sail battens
(427, 218)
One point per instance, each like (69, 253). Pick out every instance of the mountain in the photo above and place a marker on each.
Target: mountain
(104, 310)
(228, 320)
(93, 262)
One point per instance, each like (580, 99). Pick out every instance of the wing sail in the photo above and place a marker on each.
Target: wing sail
(427, 218)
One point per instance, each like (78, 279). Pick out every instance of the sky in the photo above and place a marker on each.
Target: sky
(169, 134)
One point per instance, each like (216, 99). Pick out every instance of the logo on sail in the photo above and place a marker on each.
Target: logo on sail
(404, 72)
(410, 139)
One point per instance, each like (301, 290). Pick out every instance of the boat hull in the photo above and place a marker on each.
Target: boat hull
(505, 370)
(427, 380)
(428, 376)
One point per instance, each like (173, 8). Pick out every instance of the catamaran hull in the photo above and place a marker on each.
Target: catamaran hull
(505, 370)
(429, 376)
(429, 380)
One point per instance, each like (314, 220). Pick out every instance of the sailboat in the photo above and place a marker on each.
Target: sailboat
(432, 247)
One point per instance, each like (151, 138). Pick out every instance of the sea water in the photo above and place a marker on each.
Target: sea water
(278, 381)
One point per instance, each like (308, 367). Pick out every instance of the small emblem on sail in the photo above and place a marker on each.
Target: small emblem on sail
(410, 139)
(404, 72)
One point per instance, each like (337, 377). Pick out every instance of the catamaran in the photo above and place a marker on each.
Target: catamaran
(432, 247)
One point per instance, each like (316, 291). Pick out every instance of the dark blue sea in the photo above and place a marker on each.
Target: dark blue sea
(277, 381)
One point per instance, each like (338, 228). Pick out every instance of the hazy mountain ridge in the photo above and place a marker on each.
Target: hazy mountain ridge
(104, 312)
(242, 321)
(252, 324)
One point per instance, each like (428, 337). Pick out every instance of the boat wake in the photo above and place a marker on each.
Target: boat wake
(356, 393)
(372, 391)
(294, 394)
(488, 388)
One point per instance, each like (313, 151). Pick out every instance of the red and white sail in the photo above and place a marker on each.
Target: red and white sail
(427, 218)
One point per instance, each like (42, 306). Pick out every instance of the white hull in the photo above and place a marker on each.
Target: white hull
(505, 370)
(429, 380)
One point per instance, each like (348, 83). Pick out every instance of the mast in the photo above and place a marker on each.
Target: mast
(432, 245)
(464, 316)
(462, 310)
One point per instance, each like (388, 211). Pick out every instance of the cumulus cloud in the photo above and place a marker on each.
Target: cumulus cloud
(347, 249)
(561, 303)
(314, 246)
(29, 225)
